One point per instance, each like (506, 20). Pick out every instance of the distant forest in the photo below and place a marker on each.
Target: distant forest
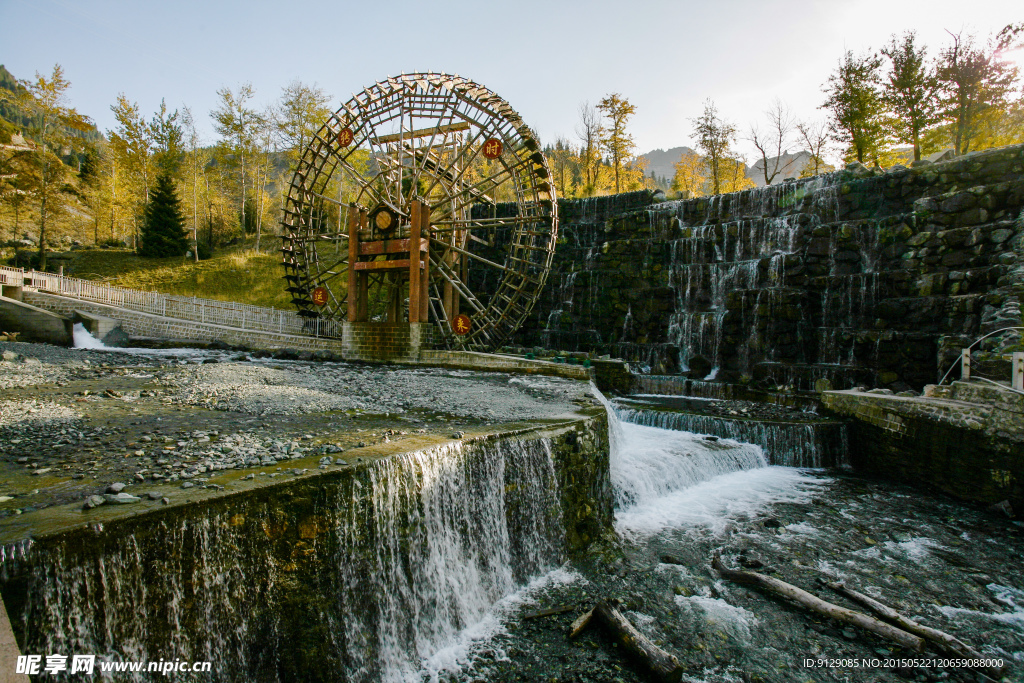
(894, 105)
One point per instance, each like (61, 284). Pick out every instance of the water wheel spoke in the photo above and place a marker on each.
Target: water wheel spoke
(446, 172)
(482, 311)
(446, 119)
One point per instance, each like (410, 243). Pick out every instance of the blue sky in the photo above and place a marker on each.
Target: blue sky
(544, 57)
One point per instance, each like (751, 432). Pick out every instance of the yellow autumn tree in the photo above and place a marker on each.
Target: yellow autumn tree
(733, 175)
(691, 175)
(615, 140)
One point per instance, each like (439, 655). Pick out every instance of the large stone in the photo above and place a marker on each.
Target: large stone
(93, 502)
(120, 498)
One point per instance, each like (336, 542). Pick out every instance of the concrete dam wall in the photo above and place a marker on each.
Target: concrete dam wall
(354, 574)
(858, 277)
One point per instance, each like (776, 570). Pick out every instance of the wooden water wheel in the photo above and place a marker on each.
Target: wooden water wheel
(424, 196)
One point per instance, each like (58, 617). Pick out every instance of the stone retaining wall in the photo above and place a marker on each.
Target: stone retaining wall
(373, 342)
(379, 342)
(970, 450)
(34, 323)
(858, 277)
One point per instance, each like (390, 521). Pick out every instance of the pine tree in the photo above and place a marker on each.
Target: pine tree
(910, 91)
(163, 226)
(855, 102)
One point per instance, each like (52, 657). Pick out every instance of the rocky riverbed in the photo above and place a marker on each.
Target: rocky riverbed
(76, 422)
(946, 565)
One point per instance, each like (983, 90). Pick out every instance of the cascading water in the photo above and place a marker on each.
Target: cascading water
(366, 580)
(84, 340)
(655, 462)
(791, 444)
(719, 259)
(667, 479)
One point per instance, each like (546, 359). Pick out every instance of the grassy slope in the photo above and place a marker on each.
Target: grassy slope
(243, 276)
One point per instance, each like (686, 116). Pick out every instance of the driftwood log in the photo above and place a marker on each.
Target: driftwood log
(661, 666)
(819, 606)
(947, 643)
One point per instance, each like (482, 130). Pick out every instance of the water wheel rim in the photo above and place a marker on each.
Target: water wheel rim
(423, 136)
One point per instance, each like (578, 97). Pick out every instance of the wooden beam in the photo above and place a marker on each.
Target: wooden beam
(425, 246)
(363, 287)
(353, 257)
(384, 265)
(386, 247)
(424, 132)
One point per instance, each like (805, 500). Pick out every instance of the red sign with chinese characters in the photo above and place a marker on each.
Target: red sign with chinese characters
(320, 296)
(345, 137)
(461, 324)
(492, 148)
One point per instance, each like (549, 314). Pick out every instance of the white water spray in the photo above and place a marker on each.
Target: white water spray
(83, 339)
(666, 479)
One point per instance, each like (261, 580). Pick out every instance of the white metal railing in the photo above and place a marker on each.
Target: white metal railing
(12, 277)
(212, 311)
(1016, 364)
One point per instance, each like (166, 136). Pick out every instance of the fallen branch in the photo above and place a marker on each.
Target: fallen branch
(580, 623)
(662, 665)
(949, 644)
(819, 606)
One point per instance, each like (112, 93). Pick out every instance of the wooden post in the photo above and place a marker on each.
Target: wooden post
(364, 278)
(425, 277)
(394, 301)
(415, 289)
(353, 258)
(965, 364)
(456, 297)
(1017, 371)
(447, 290)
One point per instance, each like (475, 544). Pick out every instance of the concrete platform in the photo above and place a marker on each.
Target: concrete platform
(33, 323)
(267, 513)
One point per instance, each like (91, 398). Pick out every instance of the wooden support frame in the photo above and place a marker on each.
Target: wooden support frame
(415, 289)
(424, 313)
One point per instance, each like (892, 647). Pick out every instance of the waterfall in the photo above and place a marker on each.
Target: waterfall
(84, 340)
(480, 535)
(666, 479)
(368, 578)
(791, 444)
(655, 462)
(712, 268)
